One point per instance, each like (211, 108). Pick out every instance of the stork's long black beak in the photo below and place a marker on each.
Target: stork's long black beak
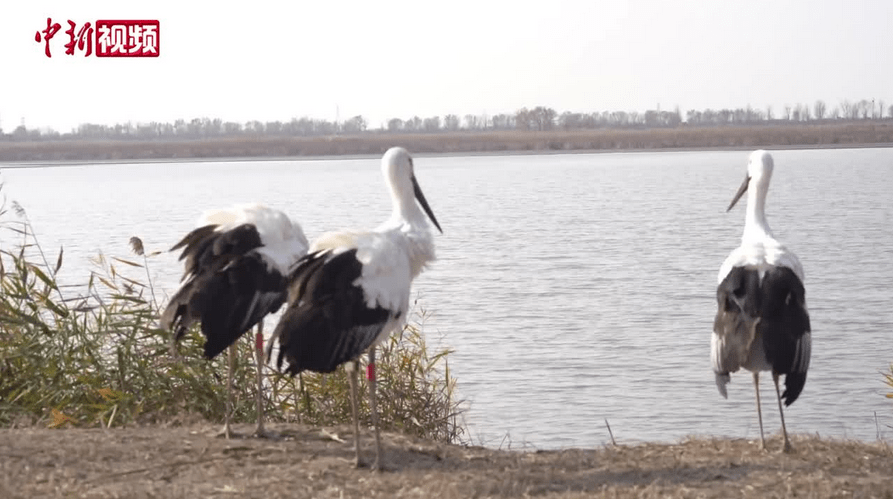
(422, 201)
(741, 191)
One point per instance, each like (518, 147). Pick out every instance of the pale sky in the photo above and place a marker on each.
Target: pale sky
(269, 60)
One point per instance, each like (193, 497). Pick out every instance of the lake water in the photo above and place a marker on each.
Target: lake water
(574, 288)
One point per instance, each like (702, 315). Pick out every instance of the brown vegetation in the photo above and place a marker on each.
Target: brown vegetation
(156, 461)
(608, 139)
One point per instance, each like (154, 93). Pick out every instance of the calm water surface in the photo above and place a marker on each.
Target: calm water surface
(573, 288)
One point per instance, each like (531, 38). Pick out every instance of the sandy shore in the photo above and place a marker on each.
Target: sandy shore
(166, 461)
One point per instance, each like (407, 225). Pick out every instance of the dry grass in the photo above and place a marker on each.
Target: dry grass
(888, 379)
(308, 462)
(682, 137)
(416, 392)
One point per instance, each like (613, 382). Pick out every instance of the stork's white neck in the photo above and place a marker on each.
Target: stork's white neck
(755, 225)
(410, 227)
(406, 210)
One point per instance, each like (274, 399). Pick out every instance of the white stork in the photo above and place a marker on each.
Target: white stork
(761, 323)
(237, 262)
(352, 290)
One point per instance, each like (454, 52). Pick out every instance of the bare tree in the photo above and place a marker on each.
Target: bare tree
(432, 124)
(724, 116)
(451, 122)
(846, 109)
(753, 115)
(395, 125)
(504, 122)
(231, 128)
(253, 126)
(617, 118)
(652, 118)
(20, 133)
(522, 119)
(545, 117)
(413, 124)
(570, 121)
(676, 118)
(273, 128)
(357, 124)
(819, 110)
(864, 108)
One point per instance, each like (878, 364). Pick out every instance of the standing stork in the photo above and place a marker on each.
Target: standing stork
(352, 290)
(761, 323)
(236, 267)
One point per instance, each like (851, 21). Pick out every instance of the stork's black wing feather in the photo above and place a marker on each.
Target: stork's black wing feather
(738, 306)
(229, 287)
(204, 246)
(327, 321)
(784, 326)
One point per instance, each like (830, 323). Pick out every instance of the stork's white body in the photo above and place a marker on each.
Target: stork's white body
(759, 249)
(284, 242)
(391, 256)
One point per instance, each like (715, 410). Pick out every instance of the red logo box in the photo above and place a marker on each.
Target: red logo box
(127, 38)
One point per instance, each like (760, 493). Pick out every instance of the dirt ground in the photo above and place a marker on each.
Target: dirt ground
(190, 461)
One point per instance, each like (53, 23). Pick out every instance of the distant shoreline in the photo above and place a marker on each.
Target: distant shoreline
(254, 159)
(73, 152)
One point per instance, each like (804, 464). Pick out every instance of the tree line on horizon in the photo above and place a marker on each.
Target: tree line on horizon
(539, 118)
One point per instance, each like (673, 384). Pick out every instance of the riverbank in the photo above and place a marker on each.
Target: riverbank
(851, 134)
(189, 461)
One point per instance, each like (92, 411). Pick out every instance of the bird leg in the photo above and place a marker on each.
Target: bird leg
(370, 375)
(307, 405)
(352, 378)
(173, 347)
(295, 394)
(784, 431)
(259, 359)
(756, 387)
(231, 365)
